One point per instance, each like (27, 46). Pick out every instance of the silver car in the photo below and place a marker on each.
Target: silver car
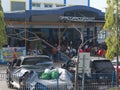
(19, 73)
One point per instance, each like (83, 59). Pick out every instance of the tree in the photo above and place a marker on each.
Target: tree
(3, 37)
(111, 25)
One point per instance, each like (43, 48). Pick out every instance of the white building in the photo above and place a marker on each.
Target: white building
(16, 5)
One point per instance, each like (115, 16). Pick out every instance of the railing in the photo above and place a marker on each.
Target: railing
(95, 83)
(89, 84)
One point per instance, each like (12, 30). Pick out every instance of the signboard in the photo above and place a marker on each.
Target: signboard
(84, 63)
(81, 19)
(7, 53)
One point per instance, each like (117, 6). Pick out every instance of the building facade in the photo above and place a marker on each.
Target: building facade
(54, 24)
(17, 5)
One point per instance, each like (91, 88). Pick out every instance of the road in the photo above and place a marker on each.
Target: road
(3, 85)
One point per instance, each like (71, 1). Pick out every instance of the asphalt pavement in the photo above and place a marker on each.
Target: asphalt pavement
(3, 85)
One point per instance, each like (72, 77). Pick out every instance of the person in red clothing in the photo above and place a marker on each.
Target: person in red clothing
(100, 52)
(88, 49)
(14, 56)
(81, 50)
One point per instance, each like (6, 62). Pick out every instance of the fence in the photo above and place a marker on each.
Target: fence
(96, 83)
(88, 85)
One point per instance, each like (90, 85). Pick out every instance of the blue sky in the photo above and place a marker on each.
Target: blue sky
(99, 4)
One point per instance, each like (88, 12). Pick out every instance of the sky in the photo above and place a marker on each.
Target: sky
(99, 4)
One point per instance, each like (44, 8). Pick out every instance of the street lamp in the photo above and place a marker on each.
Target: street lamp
(117, 47)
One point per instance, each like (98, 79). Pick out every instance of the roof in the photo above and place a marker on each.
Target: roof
(26, 14)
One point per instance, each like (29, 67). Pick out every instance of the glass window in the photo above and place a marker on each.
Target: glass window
(33, 4)
(102, 66)
(36, 4)
(48, 5)
(15, 6)
(102, 35)
(35, 60)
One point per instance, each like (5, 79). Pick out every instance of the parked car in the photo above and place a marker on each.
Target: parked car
(40, 62)
(101, 69)
(29, 73)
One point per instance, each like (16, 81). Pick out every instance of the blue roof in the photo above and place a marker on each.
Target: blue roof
(60, 11)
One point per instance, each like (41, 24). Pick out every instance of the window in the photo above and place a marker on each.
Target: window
(48, 5)
(15, 6)
(102, 35)
(102, 66)
(35, 60)
(36, 4)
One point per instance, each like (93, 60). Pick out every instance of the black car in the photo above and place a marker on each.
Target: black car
(22, 70)
(100, 69)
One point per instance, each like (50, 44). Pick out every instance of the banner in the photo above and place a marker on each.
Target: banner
(7, 53)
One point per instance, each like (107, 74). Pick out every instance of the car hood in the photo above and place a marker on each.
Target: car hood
(26, 68)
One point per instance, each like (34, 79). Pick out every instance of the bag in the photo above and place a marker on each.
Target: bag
(54, 74)
(45, 76)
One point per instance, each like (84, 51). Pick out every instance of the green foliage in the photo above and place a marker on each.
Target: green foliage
(3, 37)
(111, 47)
(109, 16)
(111, 27)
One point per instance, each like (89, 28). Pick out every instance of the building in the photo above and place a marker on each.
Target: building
(30, 26)
(17, 5)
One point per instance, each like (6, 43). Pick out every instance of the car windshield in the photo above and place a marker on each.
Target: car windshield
(103, 66)
(36, 60)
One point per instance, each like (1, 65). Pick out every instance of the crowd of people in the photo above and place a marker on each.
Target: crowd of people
(70, 49)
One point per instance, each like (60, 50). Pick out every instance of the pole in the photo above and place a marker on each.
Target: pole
(30, 4)
(88, 3)
(117, 47)
(76, 72)
(83, 73)
(25, 34)
(65, 2)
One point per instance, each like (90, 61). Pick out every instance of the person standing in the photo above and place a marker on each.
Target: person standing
(15, 56)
